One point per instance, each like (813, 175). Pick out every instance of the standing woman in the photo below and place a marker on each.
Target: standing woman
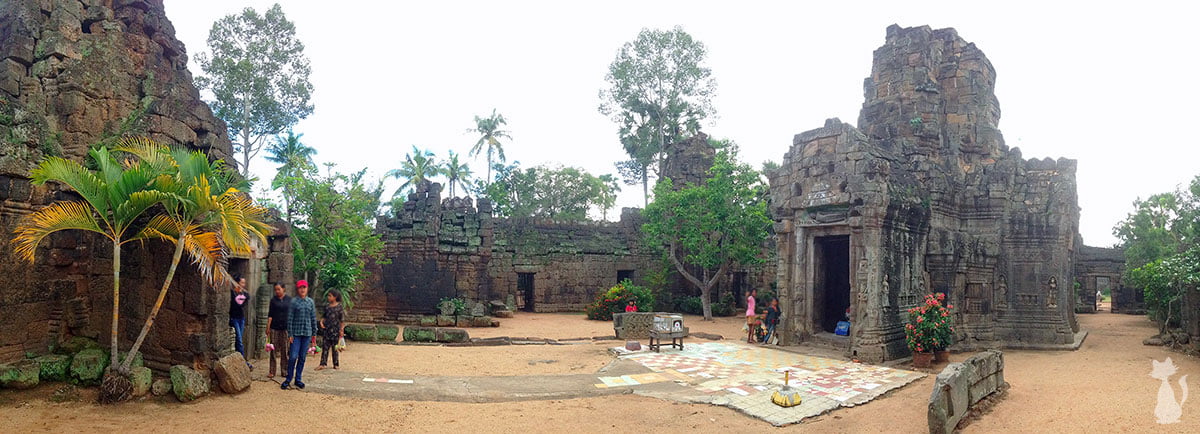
(750, 315)
(332, 325)
(302, 330)
(238, 299)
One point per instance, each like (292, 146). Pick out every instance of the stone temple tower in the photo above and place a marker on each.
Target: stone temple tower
(924, 197)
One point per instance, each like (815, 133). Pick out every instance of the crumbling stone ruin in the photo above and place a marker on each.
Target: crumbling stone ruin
(76, 73)
(453, 248)
(924, 196)
(1099, 269)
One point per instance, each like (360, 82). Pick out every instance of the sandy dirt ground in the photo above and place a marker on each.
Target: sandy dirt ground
(576, 325)
(1103, 387)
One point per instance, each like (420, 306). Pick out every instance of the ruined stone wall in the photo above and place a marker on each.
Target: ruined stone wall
(932, 201)
(1098, 268)
(452, 248)
(74, 73)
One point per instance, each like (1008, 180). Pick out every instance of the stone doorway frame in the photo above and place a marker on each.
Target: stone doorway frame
(804, 274)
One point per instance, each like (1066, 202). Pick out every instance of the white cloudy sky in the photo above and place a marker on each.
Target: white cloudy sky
(1112, 86)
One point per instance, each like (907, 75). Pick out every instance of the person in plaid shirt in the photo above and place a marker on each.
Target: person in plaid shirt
(302, 329)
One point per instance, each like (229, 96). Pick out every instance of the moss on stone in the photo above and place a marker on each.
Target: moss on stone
(54, 367)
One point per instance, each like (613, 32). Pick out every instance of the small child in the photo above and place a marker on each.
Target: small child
(631, 307)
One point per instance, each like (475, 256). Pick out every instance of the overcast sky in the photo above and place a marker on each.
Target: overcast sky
(1114, 87)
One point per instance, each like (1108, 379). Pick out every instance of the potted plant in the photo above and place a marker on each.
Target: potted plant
(928, 329)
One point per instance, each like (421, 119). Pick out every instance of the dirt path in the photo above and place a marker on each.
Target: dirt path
(1103, 387)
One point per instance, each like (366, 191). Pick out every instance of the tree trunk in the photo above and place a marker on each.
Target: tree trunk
(162, 294)
(116, 314)
(246, 136)
(489, 164)
(705, 285)
(645, 187)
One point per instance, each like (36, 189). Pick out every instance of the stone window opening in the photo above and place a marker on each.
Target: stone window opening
(622, 275)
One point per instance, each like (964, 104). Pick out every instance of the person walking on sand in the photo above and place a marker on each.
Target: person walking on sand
(277, 335)
(238, 299)
(302, 330)
(750, 315)
(334, 328)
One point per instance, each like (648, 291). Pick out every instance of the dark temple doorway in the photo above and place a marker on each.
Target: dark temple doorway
(831, 295)
(525, 288)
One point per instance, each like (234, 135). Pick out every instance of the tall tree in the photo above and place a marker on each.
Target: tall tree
(456, 173)
(712, 226)
(258, 73)
(659, 92)
(294, 159)
(115, 196)
(489, 140)
(607, 193)
(417, 167)
(206, 213)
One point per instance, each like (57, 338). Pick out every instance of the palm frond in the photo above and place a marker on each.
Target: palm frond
(59, 216)
(75, 176)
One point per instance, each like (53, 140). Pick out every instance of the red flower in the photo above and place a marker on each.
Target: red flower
(920, 319)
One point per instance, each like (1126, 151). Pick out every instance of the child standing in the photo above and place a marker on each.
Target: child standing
(750, 315)
(333, 328)
(772, 319)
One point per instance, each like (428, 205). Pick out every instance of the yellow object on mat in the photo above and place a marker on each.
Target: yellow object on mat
(786, 396)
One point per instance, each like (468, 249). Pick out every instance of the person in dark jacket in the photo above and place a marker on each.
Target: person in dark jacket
(333, 328)
(238, 299)
(773, 315)
(302, 331)
(277, 324)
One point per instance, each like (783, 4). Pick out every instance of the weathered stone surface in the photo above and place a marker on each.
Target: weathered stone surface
(87, 367)
(54, 367)
(481, 321)
(502, 313)
(923, 197)
(138, 361)
(386, 332)
(142, 379)
(429, 321)
(450, 335)
(233, 375)
(161, 387)
(419, 334)
(462, 321)
(20, 375)
(961, 385)
(77, 344)
(188, 384)
(1153, 340)
(445, 321)
(360, 332)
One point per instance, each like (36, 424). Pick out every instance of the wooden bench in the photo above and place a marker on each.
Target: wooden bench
(656, 338)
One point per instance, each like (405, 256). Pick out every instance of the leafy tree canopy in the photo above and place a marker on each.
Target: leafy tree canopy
(712, 226)
(565, 193)
(658, 92)
(258, 74)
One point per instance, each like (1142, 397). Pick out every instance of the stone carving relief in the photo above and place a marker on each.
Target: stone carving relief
(1052, 295)
(1002, 292)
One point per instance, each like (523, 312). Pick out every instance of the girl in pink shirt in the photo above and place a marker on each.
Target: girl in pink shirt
(750, 315)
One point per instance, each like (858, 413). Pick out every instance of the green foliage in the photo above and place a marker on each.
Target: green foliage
(258, 73)
(1161, 238)
(335, 230)
(418, 166)
(616, 298)
(459, 303)
(692, 305)
(457, 173)
(710, 226)
(930, 325)
(489, 140)
(564, 193)
(658, 93)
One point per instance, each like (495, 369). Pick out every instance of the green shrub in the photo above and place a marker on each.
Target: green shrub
(616, 298)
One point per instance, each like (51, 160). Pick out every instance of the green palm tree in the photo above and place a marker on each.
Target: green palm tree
(206, 213)
(417, 167)
(114, 197)
(456, 173)
(489, 139)
(295, 160)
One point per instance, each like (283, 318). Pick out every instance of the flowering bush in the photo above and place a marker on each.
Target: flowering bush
(616, 298)
(929, 325)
